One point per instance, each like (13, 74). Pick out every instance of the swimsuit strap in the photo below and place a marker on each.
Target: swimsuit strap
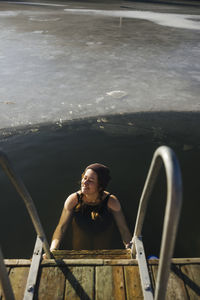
(79, 196)
(107, 198)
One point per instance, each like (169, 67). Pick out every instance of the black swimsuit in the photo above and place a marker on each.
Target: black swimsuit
(92, 218)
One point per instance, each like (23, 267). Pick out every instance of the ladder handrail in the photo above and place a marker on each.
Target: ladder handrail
(22, 191)
(5, 281)
(163, 155)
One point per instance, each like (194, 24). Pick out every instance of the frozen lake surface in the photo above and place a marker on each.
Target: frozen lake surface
(68, 60)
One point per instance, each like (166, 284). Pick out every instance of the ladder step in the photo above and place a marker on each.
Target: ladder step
(93, 254)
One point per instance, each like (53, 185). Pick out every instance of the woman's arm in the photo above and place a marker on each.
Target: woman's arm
(115, 207)
(64, 221)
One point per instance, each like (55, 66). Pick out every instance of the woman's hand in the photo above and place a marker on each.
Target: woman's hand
(44, 256)
(129, 245)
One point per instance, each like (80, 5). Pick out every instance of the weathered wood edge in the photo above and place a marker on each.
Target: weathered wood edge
(99, 262)
(110, 252)
(177, 261)
(53, 262)
(76, 262)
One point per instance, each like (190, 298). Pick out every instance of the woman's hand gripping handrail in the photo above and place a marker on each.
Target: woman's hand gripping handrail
(21, 189)
(163, 155)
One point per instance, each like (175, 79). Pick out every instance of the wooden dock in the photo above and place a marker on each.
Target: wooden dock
(101, 275)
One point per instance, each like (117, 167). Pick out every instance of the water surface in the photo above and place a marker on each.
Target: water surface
(50, 159)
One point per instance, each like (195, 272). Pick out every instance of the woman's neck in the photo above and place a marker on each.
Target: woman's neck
(95, 198)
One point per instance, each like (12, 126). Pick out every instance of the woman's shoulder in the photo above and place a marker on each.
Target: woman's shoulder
(71, 201)
(113, 202)
(108, 195)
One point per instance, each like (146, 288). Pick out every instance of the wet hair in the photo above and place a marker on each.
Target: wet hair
(103, 174)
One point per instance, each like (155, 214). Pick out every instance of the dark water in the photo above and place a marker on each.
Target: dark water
(51, 157)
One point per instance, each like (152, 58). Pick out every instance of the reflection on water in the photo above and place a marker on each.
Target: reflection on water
(51, 158)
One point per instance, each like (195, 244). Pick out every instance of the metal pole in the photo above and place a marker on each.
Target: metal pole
(33, 272)
(21, 189)
(146, 193)
(166, 156)
(171, 220)
(5, 281)
(148, 187)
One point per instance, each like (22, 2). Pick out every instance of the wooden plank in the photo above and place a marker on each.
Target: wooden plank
(191, 277)
(104, 283)
(133, 283)
(17, 262)
(110, 283)
(51, 283)
(97, 254)
(118, 283)
(176, 261)
(83, 261)
(91, 262)
(79, 283)
(27, 262)
(193, 260)
(120, 262)
(18, 277)
(184, 280)
(175, 289)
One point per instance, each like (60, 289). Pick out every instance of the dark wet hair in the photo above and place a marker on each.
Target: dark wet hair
(102, 172)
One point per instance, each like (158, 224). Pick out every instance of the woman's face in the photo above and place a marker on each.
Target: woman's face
(89, 182)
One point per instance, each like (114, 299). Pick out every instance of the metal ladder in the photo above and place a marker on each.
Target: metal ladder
(163, 155)
(41, 241)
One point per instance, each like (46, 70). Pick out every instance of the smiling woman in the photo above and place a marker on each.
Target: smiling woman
(92, 210)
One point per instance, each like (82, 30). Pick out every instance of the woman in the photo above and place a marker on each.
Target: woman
(92, 210)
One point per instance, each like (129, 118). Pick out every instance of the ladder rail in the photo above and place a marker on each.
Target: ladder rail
(5, 281)
(22, 191)
(33, 272)
(41, 241)
(162, 156)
